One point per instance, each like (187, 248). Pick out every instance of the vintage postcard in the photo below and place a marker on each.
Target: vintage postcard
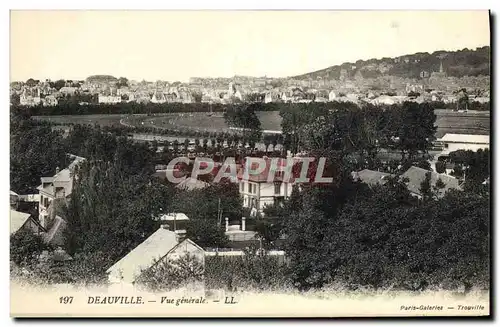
(250, 163)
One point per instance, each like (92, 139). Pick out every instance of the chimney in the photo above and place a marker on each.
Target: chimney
(227, 224)
(243, 225)
(57, 170)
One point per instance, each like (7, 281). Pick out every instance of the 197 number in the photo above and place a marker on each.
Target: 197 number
(66, 299)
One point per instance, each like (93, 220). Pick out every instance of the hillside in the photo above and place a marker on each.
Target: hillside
(455, 63)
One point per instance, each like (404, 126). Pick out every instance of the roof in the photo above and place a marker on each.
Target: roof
(371, 177)
(174, 216)
(192, 184)
(13, 193)
(281, 166)
(145, 255)
(416, 176)
(466, 138)
(17, 220)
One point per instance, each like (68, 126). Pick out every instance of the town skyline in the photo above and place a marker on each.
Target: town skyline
(237, 47)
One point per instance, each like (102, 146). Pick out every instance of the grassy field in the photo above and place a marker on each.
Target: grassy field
(270, 120)
(472, 122)
(103, 120)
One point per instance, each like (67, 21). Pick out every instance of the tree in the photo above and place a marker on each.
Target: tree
(176, 146)
(26, 246)
(206, 233)
(59, 84)
(166, 275)
(440, 167)
(197, 96)
(31, 82)
(103, 194)
(243, 116)
(122, 82)
(267, 142)
(205, 144)
(426, 188)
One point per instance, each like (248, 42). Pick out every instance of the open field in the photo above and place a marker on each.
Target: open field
(103, 120)
(472, 122)
(270, 120)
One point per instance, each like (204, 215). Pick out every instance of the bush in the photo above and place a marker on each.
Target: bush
(167, 275)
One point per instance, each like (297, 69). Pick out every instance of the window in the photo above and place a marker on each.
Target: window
(242, 187)
(277, 188)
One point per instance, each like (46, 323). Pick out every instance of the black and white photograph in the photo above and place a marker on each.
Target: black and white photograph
(250, 163)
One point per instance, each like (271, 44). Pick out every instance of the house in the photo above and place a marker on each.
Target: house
(371, 177)
(49, 101)
(190, 184)
(67, 90)
(158, 97)
(160, 246)
(24, 221)
(332, 96)
(416, 176)
(54, 187)
(175, 222)
(257, 192)
(454, 142)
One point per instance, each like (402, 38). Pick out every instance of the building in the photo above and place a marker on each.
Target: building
(49, 101)
(110, 99)
(158, 97)
(454, 142)
(416, 176)
(332, 96)
(55, 187)
(160, 246)
(257, 192)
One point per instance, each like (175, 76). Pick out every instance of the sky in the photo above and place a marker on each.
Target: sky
(177, 45)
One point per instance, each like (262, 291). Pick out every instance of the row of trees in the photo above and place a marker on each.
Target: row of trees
(364, 130)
